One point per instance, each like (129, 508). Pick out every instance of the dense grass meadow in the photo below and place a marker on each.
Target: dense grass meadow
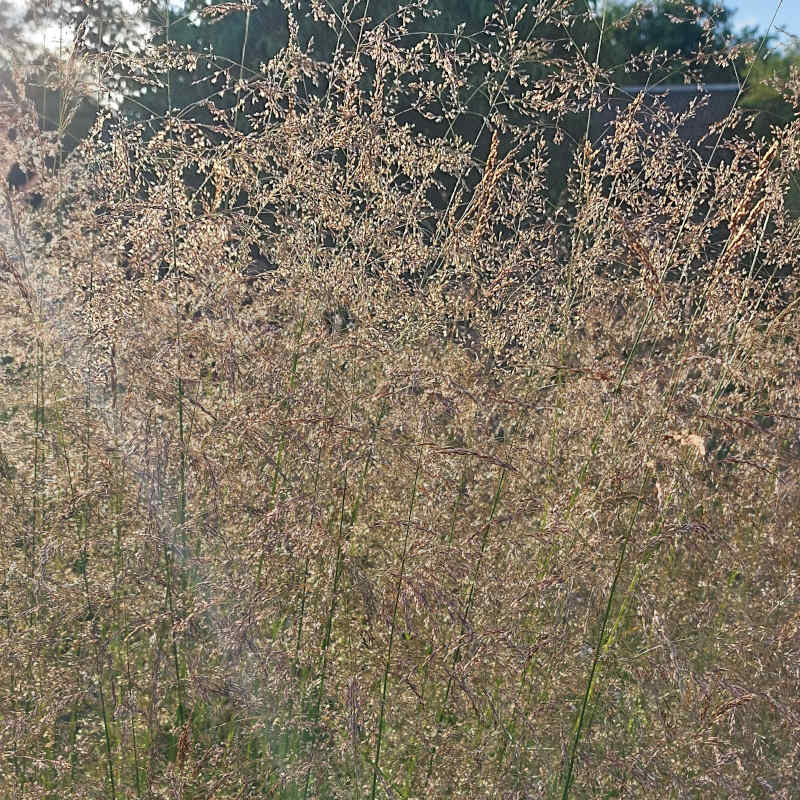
(339, 461)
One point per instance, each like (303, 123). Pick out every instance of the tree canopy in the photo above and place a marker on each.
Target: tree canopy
(202, 46)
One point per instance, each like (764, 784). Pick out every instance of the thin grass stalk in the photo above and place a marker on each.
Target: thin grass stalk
(689, 206)
(737, 350)
(446, 539)
(341, 537)
(352, 517)
(39, 419)
(279, 457)
(38, 451)
(454, 515)
(292, 379)
(509, 736)
(337, 571)
(118, 506)
(513, 718)
(568, 775)
(106, 724)
(387, 667)
(619, 617)
(467, 610)
(620, 562)
(354, 509)
(168, 561)
(303, 596)
(304, 589)
(484, 541)
(91, 616)
(586, 158)
(73, 734)
(768, 284)
(90, 610)
(337, 564)
(85, 518)
(132, 700)
(181, 509)
(248, 10)
(278, 460)
(673, 386)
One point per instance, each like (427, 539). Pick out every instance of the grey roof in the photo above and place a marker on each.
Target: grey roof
(679, 88)
(721, 98)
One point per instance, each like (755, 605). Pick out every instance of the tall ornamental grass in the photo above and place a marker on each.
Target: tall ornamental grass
(337, 461)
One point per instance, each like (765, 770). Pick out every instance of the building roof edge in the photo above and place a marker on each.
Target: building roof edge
(677, 88)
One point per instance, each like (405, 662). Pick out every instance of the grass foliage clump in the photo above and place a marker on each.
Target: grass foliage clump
(337, 461)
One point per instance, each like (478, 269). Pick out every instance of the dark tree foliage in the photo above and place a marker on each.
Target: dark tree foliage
(220, 41)
(240, 37)
(768, 106)
(679, 31)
